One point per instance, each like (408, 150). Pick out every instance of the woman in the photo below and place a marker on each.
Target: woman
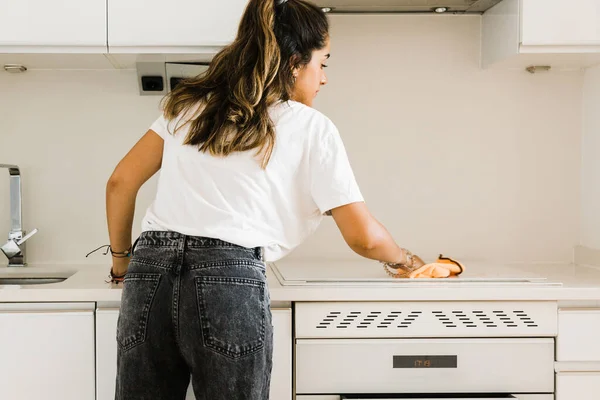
(248, 169)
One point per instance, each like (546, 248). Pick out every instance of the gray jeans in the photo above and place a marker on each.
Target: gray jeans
(194, 306)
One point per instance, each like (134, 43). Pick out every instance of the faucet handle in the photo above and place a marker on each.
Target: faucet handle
(12, 247)
(30, 234)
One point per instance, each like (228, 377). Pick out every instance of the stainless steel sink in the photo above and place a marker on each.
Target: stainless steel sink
(29, 281)
(16, 277)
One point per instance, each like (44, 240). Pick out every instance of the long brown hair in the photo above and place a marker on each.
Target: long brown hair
(248, 76)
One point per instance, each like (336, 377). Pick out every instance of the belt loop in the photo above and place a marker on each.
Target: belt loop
(259, 251)
(134, 244)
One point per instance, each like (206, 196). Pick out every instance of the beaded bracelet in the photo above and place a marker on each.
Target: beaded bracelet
(406, 268)
(120, 254)
(116, 278)
(117, 254)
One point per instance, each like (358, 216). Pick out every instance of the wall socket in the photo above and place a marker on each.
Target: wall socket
(157, 78)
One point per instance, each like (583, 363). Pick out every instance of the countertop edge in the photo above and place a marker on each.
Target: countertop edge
(89, 284)
(336, 294)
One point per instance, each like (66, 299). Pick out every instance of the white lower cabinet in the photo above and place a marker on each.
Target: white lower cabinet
(578, 354)
(47, 351)
(578, 386)
(281, 377)
(106, 354)
(578, 334)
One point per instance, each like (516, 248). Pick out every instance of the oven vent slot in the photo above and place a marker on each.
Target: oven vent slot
(396, 319)
(414, 319)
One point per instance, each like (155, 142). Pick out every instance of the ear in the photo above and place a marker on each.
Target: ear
(295, 63)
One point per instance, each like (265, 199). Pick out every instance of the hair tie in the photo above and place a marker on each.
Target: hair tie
(281, 2)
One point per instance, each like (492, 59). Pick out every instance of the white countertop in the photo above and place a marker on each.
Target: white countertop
(304, 281)
(567, 282)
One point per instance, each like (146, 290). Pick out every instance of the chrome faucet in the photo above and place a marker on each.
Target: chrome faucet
(14, 248)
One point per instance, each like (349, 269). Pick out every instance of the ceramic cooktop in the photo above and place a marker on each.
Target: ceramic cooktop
(367, 272)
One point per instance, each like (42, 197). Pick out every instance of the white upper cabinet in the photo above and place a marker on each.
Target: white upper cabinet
(555, 33)
(560, 22)
(47, 26)
(177, 26)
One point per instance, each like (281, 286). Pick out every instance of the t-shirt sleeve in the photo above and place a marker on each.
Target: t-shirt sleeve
(160, 126)
(332, 180)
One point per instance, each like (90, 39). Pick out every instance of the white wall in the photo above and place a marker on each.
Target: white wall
(590, 185)
(479, 165)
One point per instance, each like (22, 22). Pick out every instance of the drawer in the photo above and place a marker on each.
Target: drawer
(578, 386)
(454, 397)
(516, 396)
(486, 365)
(578, 334)
(317, 397)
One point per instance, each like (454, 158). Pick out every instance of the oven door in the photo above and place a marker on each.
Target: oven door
(458, 397)
(429, 397)
(425, 366)
(439, 397)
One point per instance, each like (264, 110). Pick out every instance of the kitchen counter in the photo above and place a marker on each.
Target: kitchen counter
(567, 282)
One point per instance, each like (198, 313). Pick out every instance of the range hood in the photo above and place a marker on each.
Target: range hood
(407, 6)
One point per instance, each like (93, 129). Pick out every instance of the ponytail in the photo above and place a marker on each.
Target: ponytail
(247, 77)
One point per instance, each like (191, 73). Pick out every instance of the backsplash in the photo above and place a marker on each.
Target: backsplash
(475, 164)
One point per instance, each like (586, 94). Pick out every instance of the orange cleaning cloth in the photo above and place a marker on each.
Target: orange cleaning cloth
(443, 267)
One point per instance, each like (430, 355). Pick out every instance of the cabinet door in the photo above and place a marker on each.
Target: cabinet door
(182, 26)
(43, 26)
(560, 22)
(577, 386)
(106, 352)
(47, 354)
(281, 377)
(106, 345)
(578, 334)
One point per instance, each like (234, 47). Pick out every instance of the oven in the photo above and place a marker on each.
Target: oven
(424, 350)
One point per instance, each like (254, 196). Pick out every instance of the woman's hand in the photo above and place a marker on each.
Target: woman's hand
(443, 267)
(423, 270)
(433, 270)
(417, 261)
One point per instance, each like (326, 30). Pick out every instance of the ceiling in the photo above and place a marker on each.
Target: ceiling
(406, 6)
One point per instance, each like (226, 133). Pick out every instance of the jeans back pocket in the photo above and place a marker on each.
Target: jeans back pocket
(138, 293)
(232, 314)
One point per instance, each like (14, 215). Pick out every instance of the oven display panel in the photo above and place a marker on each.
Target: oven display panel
(425, 361)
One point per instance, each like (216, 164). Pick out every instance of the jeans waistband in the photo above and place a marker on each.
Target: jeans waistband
(172, 239)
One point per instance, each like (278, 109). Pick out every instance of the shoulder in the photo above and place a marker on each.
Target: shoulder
(316, 124)
(178, 125)
(310, 114)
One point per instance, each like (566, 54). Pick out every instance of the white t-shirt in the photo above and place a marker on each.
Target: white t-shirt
(233, 199)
